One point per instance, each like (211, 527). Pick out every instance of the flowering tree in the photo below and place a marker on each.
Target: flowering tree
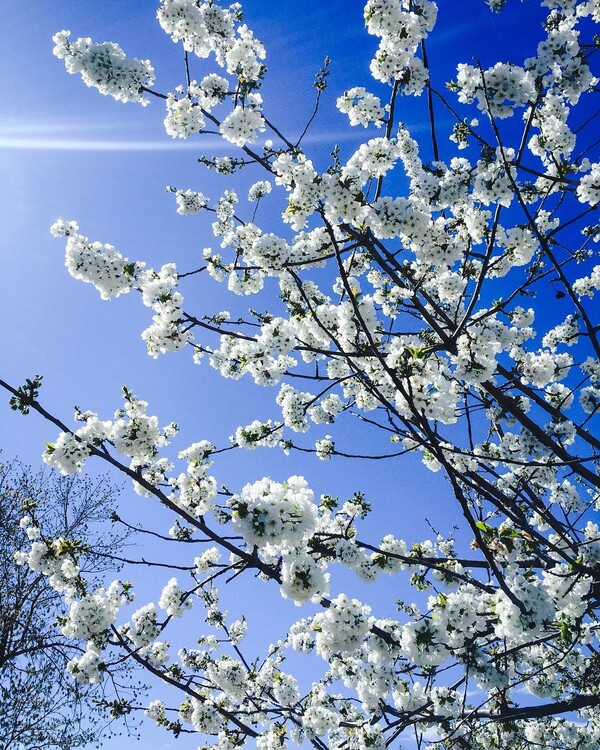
(40, 706)
(402, 291)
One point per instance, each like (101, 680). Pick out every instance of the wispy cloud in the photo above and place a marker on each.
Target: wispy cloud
(67, 144)
(32, 142)
(15, 128)
(211, 145)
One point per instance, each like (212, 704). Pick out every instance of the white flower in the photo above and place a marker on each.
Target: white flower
(588, 190)
(260, 188)
(189, 201)
(361, 107)
(275, 515)
(242, 126)
(183, 118)
(105, 67)
(173, 599)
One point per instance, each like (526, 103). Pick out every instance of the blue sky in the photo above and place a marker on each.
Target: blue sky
(67, 151)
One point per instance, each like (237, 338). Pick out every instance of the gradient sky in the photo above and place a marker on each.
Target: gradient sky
(67, 151)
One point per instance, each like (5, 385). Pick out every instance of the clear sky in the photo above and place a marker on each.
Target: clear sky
(67, 151)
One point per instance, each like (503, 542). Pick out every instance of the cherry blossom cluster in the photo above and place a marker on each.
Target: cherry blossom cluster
(105, 67)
